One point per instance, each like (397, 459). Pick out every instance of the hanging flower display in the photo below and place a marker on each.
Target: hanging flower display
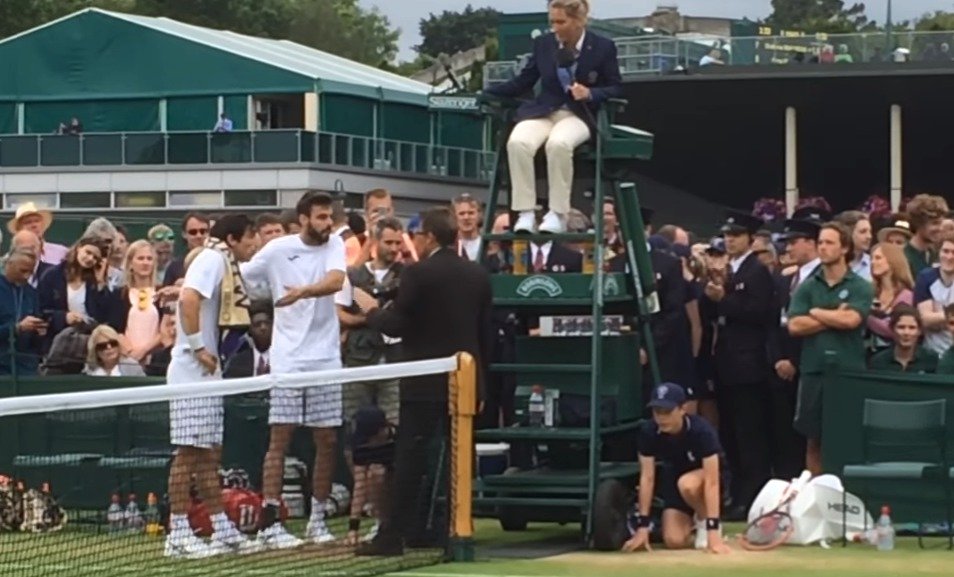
(769, 209)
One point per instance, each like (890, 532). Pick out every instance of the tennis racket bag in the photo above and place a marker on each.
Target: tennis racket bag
(816, 510)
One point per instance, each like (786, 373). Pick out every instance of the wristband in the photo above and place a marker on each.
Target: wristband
(643, 522)
(195, 342)
(712, 524)
(354, 524)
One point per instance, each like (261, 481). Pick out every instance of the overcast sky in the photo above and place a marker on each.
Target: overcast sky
(406, 14)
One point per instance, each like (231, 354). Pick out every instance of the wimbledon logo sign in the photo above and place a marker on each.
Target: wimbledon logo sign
(539, 283)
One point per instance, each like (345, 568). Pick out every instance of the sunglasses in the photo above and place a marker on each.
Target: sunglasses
(161, 236)
(197, 231)
(105, 345)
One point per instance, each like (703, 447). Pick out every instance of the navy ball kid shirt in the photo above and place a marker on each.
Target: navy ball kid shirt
(684, 451)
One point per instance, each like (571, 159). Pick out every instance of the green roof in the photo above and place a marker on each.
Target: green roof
(236, 62)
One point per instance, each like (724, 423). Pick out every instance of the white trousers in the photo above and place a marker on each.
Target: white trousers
(562, 131)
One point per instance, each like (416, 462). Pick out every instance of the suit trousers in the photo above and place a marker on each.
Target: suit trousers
(408, 494)
(749, 431)
(562, 131)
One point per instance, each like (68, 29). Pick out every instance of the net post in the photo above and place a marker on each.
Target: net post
(462, 407)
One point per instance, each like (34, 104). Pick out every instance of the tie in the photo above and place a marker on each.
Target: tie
(263, 368)
(538, 263)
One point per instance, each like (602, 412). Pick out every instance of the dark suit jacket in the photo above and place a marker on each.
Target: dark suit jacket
(241, 363)
(562, 260)
(101, 304)
(782, 345)
(746, 317)
(41, 268)
(174, 272)
(596, 67)
(444, 307)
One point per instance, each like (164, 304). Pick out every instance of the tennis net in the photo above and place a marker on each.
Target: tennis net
(91, 483)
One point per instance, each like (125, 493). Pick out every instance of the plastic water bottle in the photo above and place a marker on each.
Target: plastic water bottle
(115, 515)
(132, 515)
(885, 530)
(153, 527)
(537, 407)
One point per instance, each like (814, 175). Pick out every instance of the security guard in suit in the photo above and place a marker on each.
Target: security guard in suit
(742, 299)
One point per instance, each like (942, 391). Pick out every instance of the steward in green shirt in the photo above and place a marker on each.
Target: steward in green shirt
(828, 313)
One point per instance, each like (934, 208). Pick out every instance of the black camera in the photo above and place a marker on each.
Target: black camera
(386, 292)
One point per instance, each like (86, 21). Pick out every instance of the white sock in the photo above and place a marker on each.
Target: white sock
(180, 524)
(318, 509)
(221, 523)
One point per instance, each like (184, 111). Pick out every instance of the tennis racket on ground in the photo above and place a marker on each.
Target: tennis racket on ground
(771, 529)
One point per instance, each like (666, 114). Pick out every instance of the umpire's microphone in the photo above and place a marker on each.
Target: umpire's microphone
(566, 58)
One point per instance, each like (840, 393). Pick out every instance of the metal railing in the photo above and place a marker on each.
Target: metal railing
(642, 55)
(245, 147)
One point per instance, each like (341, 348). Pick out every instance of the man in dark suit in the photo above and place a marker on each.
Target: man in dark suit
(578, 71)
(444, 306)
(742, 297)
(251, 358)
(554, 257)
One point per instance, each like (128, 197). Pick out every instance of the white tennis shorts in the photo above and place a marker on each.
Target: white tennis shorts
(317, 407)
(194, 422)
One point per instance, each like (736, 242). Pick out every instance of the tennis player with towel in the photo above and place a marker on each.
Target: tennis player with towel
(692, 484)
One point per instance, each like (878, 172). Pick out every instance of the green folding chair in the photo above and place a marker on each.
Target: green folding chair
(895, 427)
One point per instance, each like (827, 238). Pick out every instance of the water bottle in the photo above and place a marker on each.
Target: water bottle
(115, 515)
(885, 530)
(152, 517)
(132, 515)
(537, 407)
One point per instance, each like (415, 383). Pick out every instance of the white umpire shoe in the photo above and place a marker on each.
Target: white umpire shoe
(526, 222)
(236, 542)
(317, 532)
(553, 223)
(187, 546)
(276, 537)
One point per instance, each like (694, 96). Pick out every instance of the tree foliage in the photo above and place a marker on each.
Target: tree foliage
(832, 16)
(340, 27)
(452, 32)
(936, 21)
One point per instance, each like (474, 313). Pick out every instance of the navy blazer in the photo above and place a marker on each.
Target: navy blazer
(597, 67)
(101, 304)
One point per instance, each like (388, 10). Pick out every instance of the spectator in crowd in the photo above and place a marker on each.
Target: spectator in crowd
(926, 212)
(378, 204)
(550, 256)
(612, 238)
(714, 57)
(897, 232)
(712, 257)
(860, 227)
(907, 355)
(843, 56)
(75, 127)
(195, 231)
(269, 226)
(357, 225)
(224, 124)
(20, 317)
(893, 287)
(163, 240)
(117, 256)
(105, 358)
(947, 225)
(765, 250)
(290, 221)
(828, 312)
(37, 221)
(674, 235)
(75, 292)
(104, 230)
(26, 240)
(946, 363)
(341, 227)
(252, 359)
(141, 312)
(160, 356)
(932, 294)
(467, 212)
(500, 254)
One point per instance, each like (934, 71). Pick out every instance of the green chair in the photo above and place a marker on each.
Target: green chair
(911, 428)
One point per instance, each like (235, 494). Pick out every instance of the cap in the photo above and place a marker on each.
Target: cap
(740, 222)
(368, 422)
(667, 396)
(812, 213)
(896, 225)
(716, 246)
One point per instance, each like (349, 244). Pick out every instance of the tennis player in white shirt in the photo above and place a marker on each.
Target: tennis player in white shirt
(196, 425)
(305, 273)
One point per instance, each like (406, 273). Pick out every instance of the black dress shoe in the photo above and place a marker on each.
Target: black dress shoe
(378, 547)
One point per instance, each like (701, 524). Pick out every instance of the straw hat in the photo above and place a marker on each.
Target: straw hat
(28, 209)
